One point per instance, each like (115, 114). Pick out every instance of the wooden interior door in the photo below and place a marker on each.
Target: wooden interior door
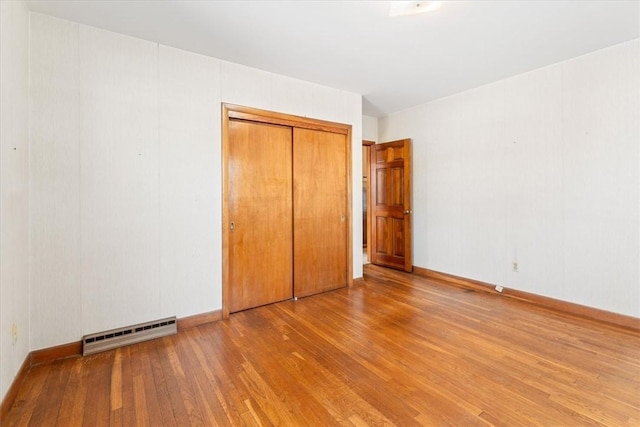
(260, 214)
(320, 211)
(391, 204)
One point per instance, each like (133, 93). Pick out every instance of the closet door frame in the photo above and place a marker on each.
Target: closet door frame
(231, 111)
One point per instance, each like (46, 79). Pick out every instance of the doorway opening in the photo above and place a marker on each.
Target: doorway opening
(366, 200)
(389, 240)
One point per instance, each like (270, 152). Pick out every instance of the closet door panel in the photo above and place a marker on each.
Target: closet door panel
(319, 211)
(260, 214)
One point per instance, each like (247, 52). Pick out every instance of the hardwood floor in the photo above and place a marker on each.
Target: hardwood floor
(396, 350)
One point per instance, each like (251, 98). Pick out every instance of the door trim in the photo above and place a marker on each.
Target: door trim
(231, 111)
(271, 117)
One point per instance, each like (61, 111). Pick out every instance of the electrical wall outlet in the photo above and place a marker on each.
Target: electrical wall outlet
(515, 266)
(14, 333)
(499, 288)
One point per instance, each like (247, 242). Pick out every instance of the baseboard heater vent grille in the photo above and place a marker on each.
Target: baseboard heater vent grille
(114, 338)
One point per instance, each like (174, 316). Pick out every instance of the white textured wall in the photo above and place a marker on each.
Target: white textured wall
(128, 202)
(370, 128)
(119, 194)
(14, 189)
(54, 207)
(190, 183)
(540, 169)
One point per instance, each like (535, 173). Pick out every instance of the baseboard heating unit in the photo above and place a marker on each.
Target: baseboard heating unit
(107, 340)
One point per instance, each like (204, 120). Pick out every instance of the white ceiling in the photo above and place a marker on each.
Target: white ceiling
(395, 63)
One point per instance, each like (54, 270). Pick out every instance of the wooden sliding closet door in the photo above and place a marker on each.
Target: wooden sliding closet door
(260, 216)
(320, 211)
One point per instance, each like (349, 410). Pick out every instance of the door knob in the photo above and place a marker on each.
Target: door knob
(408, 211)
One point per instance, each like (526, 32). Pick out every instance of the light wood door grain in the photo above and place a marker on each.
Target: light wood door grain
(320, 211)
(391, 204)
(260, 215)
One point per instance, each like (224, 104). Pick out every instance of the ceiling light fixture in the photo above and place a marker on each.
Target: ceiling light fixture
(401, 8)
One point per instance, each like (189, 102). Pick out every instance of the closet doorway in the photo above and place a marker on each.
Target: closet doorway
(286, 207)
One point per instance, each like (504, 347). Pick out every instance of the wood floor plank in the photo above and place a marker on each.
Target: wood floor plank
(167, 412)
(273, 369)
(206, 382)
(97, 405)
(184, 391)
(74, 389)
(48, 404)
(116, 381)
(398, 349)
(25, 402)
(127, 412)
(200, 384)
(363, 378)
